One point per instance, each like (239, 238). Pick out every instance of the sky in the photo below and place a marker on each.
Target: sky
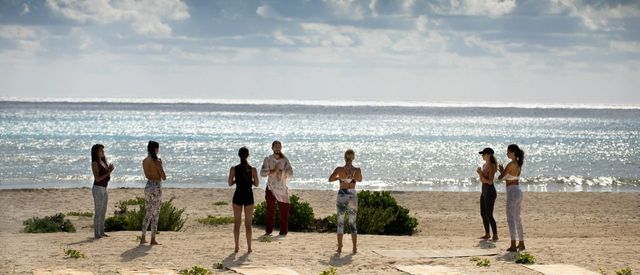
(530, 51)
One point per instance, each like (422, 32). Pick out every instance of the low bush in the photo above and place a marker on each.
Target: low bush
(211, 220)
(74, 254)
(301, 216)
(195, 270)
(525, 258)
(80, 214)
(129, 215)
(48, 224)
(625, 271)
(220, 203)
(378, 213)
(330, 271)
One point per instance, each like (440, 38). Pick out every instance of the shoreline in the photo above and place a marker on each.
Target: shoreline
(592, 230)
(500, 187)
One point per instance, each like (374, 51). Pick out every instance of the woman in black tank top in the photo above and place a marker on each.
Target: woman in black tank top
(244, 177)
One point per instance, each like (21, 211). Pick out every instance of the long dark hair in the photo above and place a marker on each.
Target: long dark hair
(243, 153)
(152, 147)
(492, 160)
(94, 153)
(518, 152)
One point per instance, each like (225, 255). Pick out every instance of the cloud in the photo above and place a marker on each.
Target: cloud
(347, 8)
(597, 15)
(145, 16)
(25, 9)
(625, 46)
(491, 8)
(283, 39)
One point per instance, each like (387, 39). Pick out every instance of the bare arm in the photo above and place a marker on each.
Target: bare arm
(505, 171)
(162, 174)
(358, 175)
(96, 172)
(256, 179)
(264, 170)
(232, 175)
(486, 177)
(288, 169)
(334, 175)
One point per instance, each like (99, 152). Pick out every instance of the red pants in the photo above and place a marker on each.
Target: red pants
(271, 213)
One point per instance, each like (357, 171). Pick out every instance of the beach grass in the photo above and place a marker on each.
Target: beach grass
(213, 220)
(80, 214)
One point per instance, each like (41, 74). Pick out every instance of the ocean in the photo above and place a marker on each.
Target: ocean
(404, 147)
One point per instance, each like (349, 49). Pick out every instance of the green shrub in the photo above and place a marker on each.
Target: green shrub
(220, 203)
(218, 266)
(195, 270)
(378, 213)
(484, 262)
(211, 220)
(130, 218)
(625, 271)
(55, 223)
(80, 214)
(330, 271)
(525, 258)
(74, 254)
(300, 215)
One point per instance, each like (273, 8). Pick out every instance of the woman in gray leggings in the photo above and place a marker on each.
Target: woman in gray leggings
(511, 174)
(101, 175)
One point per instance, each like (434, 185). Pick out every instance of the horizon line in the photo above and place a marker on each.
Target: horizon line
(305, 102)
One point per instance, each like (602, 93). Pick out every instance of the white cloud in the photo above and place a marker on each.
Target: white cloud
(476, 7)
(12, 32)
(625, 46)
(596, 17)
(145, 16)
(346, 8)
(25, 9)
(281, 38)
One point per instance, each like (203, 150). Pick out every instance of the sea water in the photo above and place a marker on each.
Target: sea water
(403, 148)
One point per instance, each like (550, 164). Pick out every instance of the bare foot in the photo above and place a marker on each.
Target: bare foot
(339, 249)
(485, 237)
(105, 235)
(153, 242)
(235, 250)
(355, 250)
(249, 250)
(143, 240)
(495, 238)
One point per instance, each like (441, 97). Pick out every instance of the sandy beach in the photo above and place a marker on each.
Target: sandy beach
(597, 231)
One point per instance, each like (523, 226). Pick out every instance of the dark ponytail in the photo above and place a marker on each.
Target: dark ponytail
(243, 153)
(152, 147)
(518, 153)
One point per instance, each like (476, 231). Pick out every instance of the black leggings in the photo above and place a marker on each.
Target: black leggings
(487, 200)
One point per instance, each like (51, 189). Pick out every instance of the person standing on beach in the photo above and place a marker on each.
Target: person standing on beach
(511, 174)
(101, 175)
(244, 177)
(153, 171)
(347, 200)
(278, 170)
(488, 196)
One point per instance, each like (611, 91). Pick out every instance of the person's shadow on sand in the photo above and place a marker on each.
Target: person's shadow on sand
(88, 240)
(484, 244)
(136, 252)
(231, 260)
(336, 260)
